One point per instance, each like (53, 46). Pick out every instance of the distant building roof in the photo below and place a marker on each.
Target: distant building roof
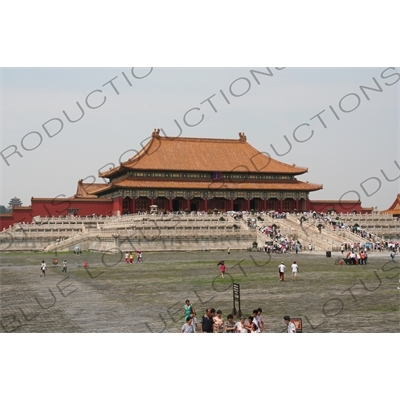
(394, 209)
(87, 190)
(15, 201)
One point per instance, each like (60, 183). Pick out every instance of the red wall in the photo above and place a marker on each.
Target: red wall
(56, 207)
(60, 206)
(337, 205)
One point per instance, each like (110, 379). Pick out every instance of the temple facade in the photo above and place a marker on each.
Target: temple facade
(190, 174)
(193, 174)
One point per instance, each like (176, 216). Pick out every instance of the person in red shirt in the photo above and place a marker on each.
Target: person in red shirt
(222, 268)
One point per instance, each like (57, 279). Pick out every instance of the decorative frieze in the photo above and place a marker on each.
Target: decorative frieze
(227, 177)
(209, 194)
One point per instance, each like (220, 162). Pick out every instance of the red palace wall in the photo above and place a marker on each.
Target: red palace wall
(56, 207)
(338, 206)
(61, 206)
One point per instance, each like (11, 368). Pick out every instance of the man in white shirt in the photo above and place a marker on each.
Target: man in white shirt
(281, 269)
(295, 270)
(43, 269)
(240, 326)
(291, 327)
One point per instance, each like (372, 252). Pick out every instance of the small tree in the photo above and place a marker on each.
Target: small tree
(4, 210)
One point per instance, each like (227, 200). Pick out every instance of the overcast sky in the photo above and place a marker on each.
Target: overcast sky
(347, 155)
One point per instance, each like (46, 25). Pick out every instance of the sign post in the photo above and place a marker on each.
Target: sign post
(298, 322)
(236, 297)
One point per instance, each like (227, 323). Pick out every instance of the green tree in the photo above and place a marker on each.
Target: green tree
(4, 210)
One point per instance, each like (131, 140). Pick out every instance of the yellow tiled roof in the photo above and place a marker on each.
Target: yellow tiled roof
(87, 190)
(394, 208)
(199, 154)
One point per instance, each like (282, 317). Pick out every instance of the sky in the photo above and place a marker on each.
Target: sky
(316, 117)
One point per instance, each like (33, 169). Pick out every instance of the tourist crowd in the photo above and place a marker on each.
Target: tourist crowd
(213, 322)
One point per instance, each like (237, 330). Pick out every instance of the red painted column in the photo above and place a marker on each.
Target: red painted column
(152, 201)
(134, 205)
(231, 205)
(265, 204)
(170, 204)
(281, 205)
(117, 206)
(248, 204)
(188, 204)
(205, 205)
(297, 205)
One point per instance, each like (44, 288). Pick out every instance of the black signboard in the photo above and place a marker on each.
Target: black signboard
(236, 298)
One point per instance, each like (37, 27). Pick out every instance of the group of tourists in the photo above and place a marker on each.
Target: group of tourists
(130, 257)
(281, 270)
(213, 322)
(360, 258)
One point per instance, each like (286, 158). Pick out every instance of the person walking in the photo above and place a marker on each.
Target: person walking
(188, 309)
(295, 270)
(207, 322)
(291, 327)
(230, 325)
(188, 326)
(43, 269)
(64, 266)
(194, 321)
(222, 268)
(260, 319)
(241, 326)
(218, 322)
(281, 269)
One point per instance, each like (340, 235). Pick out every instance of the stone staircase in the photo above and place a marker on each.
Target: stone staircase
(305, 233)
(130, 233)
(170, 232)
